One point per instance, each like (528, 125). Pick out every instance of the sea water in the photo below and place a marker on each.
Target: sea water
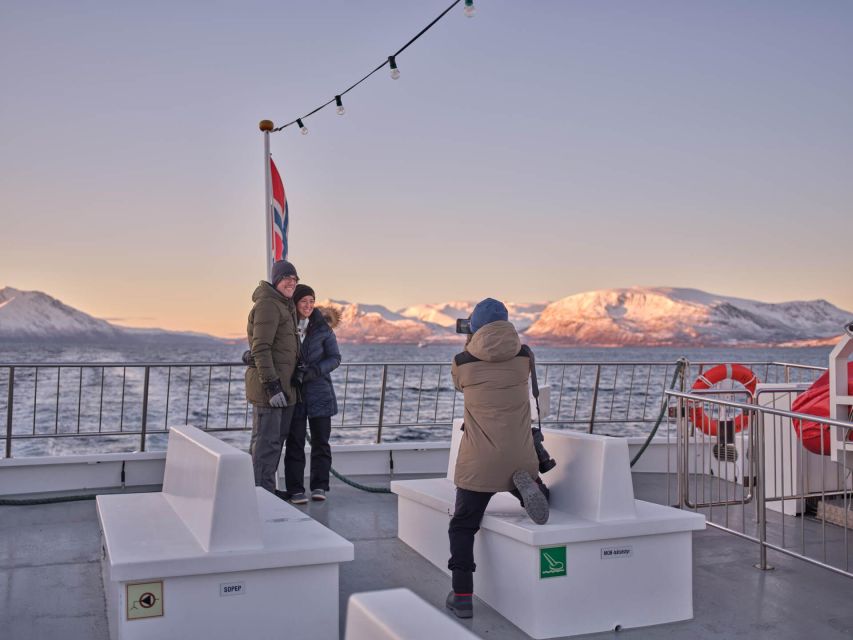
(51, 409)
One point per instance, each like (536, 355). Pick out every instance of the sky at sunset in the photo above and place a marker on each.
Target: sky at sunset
(537, 150)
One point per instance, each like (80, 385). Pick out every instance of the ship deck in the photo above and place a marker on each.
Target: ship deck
(51, 588)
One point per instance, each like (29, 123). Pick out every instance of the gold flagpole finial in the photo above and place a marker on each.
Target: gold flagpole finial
(266, 125)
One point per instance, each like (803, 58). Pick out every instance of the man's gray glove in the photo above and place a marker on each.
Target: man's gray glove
(247, 358)
(275, 394)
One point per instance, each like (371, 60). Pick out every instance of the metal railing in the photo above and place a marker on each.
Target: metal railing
(762, 483)
(56, 408)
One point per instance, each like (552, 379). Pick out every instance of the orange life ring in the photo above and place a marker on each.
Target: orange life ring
(712, 376)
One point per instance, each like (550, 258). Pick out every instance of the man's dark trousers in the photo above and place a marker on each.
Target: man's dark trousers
(270, 426)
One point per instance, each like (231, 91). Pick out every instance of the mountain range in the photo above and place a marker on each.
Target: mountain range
(636, 316)
(33, 315)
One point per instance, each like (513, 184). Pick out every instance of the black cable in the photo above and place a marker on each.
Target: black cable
(426, 28)
(399, 51)
(358, 485)
(679, 371)
(24, 502)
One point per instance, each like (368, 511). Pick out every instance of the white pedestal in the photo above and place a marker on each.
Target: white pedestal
(212, 556)
(604, 560)
(398, 614)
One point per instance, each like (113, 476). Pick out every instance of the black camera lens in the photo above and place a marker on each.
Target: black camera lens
(546, 462)
(463, 325)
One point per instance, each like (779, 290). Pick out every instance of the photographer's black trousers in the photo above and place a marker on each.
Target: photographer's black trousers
(467, 516)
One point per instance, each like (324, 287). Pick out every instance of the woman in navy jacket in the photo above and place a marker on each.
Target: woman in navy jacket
(319, 357)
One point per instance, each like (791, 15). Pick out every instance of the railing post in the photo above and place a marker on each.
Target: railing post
(382, 403)
(759, 496)
(595, 396)
(683, 484)
(144, 409)
(680, 451)
(9, 407)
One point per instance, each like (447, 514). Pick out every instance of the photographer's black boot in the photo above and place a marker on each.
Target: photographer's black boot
(532, 497)
(461, 605)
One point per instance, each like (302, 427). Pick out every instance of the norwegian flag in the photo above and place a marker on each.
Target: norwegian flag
(280, 216)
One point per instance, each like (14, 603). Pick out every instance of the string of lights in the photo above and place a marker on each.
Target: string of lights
(391, 62)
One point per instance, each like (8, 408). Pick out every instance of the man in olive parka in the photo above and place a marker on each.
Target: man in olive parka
(274, 344)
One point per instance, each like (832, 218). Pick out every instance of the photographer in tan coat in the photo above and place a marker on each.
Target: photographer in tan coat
(497, 451)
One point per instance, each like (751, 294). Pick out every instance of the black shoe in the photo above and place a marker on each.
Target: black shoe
(532, 497)
(284, 495)
(461, 606)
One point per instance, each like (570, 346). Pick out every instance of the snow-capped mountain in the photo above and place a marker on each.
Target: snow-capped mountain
(33, 315)
(445, 314)
(639, 316)
(361, 323)
(646, 316)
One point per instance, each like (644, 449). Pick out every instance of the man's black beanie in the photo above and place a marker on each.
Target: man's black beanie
(282, 269)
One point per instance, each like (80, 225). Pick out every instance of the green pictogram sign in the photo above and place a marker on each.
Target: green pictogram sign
(552, 562)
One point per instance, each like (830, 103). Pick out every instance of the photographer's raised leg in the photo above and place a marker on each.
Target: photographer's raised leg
(533, 495)
(544, 489)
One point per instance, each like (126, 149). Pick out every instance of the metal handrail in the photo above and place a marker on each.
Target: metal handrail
(226, 363)
(143, 398)
(779, 447)
(751, 407)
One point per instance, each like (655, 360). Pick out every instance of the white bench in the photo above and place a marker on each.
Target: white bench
(398, 614)
(212, 556)
(603, 561)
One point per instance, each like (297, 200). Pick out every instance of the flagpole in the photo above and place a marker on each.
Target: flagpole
(266, 126)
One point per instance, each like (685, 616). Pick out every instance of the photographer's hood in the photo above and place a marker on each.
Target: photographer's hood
(496, 342)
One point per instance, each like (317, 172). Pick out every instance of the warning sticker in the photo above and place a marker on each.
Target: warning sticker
(144, 600)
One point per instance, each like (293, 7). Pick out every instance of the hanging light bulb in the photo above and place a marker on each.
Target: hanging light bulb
(395, 72)
(340, 104)
(470, 9)
(302, 127)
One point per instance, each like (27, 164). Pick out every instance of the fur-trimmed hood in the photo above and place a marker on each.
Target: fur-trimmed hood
(332, 315)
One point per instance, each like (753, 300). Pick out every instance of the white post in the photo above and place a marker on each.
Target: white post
(266, 126)
(840, 401)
